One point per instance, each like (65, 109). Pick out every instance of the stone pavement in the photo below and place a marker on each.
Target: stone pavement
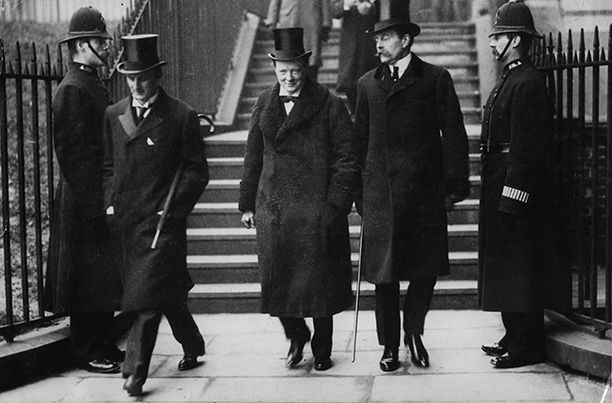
(244, 362)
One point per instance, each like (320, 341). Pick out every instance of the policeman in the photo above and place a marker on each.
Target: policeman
(514, 142)
(81, 278)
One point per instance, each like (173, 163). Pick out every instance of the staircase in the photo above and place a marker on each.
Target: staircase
(222, 254)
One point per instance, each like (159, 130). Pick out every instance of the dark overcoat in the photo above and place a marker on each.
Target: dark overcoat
(515, 141)
(81, 274)
(139, 165)
(299, 177)
(415, 153)
(357, 49)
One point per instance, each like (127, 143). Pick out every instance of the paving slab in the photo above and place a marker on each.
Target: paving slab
(332, 389)
(511, 387)
(245, 357)
(252, 365)
(51, 389)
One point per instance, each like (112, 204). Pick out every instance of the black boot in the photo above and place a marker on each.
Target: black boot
(418, 353)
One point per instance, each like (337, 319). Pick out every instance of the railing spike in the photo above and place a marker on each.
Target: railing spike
(18, 57)
(570, 43)
(603, 55)
(559, 42)
(2, 54)
(33, 53)
(596, 37)
(47, 59)
(581, 46)
(588, 57)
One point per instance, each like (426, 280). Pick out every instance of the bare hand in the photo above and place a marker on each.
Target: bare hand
(248, 219)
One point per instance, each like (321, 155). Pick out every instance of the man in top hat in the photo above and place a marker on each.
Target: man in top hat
(153, 148)
(300, 172)
(514, 144)
(314, 16)
(81, 279)
(415, 154)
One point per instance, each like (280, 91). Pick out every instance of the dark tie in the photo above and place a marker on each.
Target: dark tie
(140, 112)
(287, 98)
(395, 74)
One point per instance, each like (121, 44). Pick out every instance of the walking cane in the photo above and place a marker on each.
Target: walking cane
(172, 191)
(167, 202)
(358, 290)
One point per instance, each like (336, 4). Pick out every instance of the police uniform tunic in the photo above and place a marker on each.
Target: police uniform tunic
(514, 142)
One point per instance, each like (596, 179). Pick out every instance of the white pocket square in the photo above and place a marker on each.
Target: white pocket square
(150, 142)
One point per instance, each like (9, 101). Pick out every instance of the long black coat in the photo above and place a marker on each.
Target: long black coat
(299, 177)
(357, 49)
(415, 152)
(512, 222)
(139, 165)
(81, 274)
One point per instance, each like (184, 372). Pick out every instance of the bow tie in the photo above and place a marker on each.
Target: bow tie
(287, 98)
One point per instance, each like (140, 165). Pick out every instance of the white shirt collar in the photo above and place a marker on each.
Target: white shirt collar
(283, 92)
(402, 64)
(147, 104)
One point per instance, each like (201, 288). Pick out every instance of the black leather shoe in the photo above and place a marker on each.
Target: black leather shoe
(509, 360)
(101, 366)
(295, 354)
(116, 355)
(494, 350)
(133, 386)
(189, 361)
(389, 361)
(418, 354)
(322, 363)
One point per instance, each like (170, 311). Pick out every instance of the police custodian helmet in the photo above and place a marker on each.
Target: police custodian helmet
(514, 17)
(87, 22)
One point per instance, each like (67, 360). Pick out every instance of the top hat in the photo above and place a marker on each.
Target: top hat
(87, 22)
(514, 17)
(396, 23)
(288, 44)
(139, 54)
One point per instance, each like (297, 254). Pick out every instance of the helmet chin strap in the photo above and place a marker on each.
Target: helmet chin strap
(501, 55)
(95, 53)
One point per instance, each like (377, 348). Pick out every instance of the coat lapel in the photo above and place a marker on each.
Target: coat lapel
(308, 104)
(153, 119)
(410, 76)
(272, 115)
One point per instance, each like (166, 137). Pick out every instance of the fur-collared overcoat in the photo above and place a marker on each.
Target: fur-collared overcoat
(299, 177)
(81, 275)
(516, 236)
(139, 165)
(312, 15)
(415, 153)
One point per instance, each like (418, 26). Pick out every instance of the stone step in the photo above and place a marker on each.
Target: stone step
(237, 240)
(210, 269)
(231, 168)
(244, 297)
(232, 144)
(256, 88)
(227, 190)
(225, 215)
(467, 99)
(330, 73)
(445, 57)
(442, 40)
(471, 115)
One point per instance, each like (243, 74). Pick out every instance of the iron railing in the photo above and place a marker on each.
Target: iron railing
(28, 174)
(583, 158)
